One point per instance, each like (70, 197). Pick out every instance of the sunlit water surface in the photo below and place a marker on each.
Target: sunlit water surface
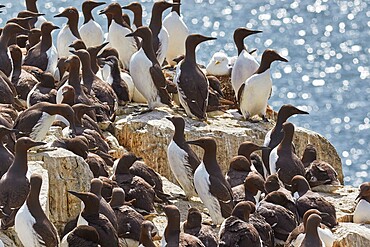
(326, 42)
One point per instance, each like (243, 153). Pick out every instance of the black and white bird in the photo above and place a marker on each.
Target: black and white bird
(177, 33)
(245, 65)
(274, 136)
(69, 32)
(181, 158)
(210, 183)
(118, 29)
(36, 120)
(146, 71)
(31, 224)
(90, 216)
(159, 32)
(360, 214)
(90, 31)
(236, 229)
(192, 83)
(283, 160)
(172, 235)
(44, 55)
(254, 93)
(14, 185)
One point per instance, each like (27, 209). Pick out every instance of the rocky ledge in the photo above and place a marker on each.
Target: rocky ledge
(147, 135)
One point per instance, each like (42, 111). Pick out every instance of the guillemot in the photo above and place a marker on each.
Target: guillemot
(254, 93)
(36, 120)
(6, 156)
(308, 199)
(97, 165)
(83, 236)
(248, 150)
(31, 6)
(141, 169)
(14, 185)
(9, 31)
(137, 9)
(90, 216)
(192, 84)
(118, 29)
(69, 32)
(128, 219)
(312, 237)
(172, 235)
(181, 158)
(318, 172)
(210, 184)
(31, 224)
(159, 33)
(239, 168)
(119, 86)
(33, 38)
(177, 33)
(90, 31)
(104, 207)
(146, 71)
(360, 214)
(297, 235)
(236, 229)
(251, 189)
(282, 220)
(135, 187)
(193, 225)
(245, 65)
(102, 91)
(283, 158)
(274, 136)
(146, 234)
(43, 91)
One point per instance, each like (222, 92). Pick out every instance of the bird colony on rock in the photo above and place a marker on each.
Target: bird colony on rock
(78, 84)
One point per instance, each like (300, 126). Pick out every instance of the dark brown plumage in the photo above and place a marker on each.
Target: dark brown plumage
(193, 226)
(172, 235)
(311, 200)
(236, 229)
(14, 185)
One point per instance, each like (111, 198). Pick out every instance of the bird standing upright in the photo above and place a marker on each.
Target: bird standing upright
(90, 31)
(192, 83)
(69, 32)
(159, 33)
(118, 29)
(210, 184)
(14, 185)
(177, 33)
(146, 71)
(254, 93)
(245, 65)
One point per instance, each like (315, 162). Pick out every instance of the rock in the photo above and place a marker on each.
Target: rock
(8, 242)
(67, 171)
(344, 201)
(148, 134)
(114, 148)
(351, 234)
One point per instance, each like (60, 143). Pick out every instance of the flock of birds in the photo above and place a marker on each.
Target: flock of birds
(78, 85)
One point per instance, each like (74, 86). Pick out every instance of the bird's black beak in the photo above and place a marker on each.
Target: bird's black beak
(130, 34)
